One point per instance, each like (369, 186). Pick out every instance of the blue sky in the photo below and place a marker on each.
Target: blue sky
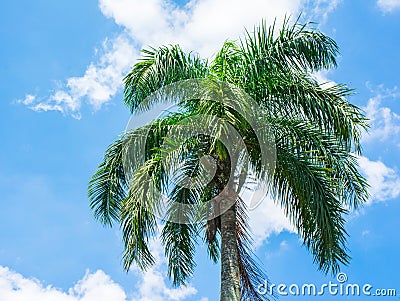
(61, 65)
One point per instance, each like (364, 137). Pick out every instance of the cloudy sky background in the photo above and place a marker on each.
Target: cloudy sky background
(61, 66)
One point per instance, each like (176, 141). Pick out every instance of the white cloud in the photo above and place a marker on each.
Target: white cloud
(384, 123)
(323, 80)
(266, 219)
(384, 181)
(153, 287)
(102, 79)
(320, 9)
(93, 287)
(201, 25)
(388, 5)
(29, 99)
(99, 83)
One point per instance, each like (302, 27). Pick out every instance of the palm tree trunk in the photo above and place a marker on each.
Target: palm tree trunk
(230, 281)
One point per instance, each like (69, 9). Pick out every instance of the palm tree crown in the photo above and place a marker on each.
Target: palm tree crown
(316, 140)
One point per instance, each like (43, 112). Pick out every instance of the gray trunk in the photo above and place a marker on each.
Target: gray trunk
(230, 281)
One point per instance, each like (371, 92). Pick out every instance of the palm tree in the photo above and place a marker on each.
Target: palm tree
(316, 139)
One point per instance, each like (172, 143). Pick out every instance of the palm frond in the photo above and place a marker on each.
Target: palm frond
(302, 97)
(328, 153)
(276, 70)
(304, 192)
(138, 215)
(107, 188)
(179, 238)
(294, 46)
(223, 66)
(158, 68)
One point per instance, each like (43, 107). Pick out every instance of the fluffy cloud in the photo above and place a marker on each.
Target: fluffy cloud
(266, 219)
(99, 83)
(265, 216)
(28, 100)
(384, 127)
(201, 25)
(93, 287)
(102, 79)
(384, 181)
(384, 123)
(320, 9)
(153, 287)
(388, 5)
